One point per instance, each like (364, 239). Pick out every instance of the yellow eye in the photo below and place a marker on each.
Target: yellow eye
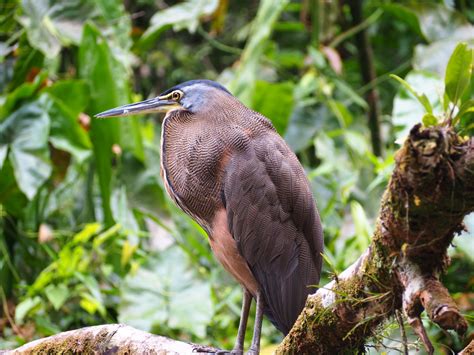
(176, 95)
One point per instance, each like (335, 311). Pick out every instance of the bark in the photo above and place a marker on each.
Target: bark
(422, 209)
(108, 339)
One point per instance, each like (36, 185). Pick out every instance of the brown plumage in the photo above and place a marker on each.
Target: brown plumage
(227, 167)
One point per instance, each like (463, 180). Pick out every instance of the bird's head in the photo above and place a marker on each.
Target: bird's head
(194, 96)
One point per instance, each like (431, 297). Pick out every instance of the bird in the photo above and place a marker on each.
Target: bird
(226, 166)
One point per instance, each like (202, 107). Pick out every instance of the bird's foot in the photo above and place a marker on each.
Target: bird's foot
(204, 349)
(229, 352)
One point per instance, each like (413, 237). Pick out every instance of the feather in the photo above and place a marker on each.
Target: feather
(280, 235)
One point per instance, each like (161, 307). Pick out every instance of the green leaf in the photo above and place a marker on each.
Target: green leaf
(443, 27)
(94, 297)
(26, 132)
(25, 307)
(275, 101)
(167, 293)
(69, 259)
(66, 132)
(127, 252)
(28, 59)
(407, 110)
(420, 97)
(57, 295)
(429, 120)
(106, 235)
(349, 93)
(3, 154)
(185, 15)
(91, 305)
(303, 125)
(87, 232)
(244, 83)
(123, 214)
(357, 142)
(404, 14)
(44, 325)
(115, 23)
(51, 24)
(72, 93)
(458, 72)
(341, 112)
(107, 81)
(24, 92)
(466, 107)
(438, 22)
(363, 229)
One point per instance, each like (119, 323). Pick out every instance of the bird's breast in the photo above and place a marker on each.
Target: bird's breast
(193, 162)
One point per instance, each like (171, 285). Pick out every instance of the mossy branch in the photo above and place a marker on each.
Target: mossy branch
(108, 339)
(422, 209)
(430, 192)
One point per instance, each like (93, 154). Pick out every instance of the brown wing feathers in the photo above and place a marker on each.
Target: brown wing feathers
(272, 217)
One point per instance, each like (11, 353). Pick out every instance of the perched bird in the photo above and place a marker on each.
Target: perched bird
(227, 167)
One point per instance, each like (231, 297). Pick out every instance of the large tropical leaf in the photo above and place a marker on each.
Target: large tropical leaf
(160, 293)
(24, 134)
(106, 80)
(185, 15)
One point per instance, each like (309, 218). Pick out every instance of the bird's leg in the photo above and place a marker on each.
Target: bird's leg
(244, 316)
(255, 347)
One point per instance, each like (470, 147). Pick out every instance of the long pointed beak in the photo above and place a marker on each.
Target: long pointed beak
(147, 106)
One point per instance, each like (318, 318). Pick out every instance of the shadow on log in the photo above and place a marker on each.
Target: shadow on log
(422, 209)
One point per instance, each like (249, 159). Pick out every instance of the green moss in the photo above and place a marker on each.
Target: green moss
(83, 342)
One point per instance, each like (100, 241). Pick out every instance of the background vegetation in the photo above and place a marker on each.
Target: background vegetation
(87, 234)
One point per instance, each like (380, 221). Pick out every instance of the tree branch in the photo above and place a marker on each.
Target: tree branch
(108, 339)
(430, 192)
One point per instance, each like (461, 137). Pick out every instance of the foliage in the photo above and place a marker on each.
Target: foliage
(87, 234)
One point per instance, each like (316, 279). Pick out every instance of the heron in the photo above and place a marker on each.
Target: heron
(226, 166)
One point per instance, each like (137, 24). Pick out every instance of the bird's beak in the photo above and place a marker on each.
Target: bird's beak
(147, 106)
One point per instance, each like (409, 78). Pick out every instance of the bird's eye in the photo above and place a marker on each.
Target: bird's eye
(176, 95)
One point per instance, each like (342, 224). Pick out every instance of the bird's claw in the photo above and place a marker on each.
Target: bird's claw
(203, 349)
(231, 352)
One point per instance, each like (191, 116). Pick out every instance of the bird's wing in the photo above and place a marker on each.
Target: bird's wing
(274, 221)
